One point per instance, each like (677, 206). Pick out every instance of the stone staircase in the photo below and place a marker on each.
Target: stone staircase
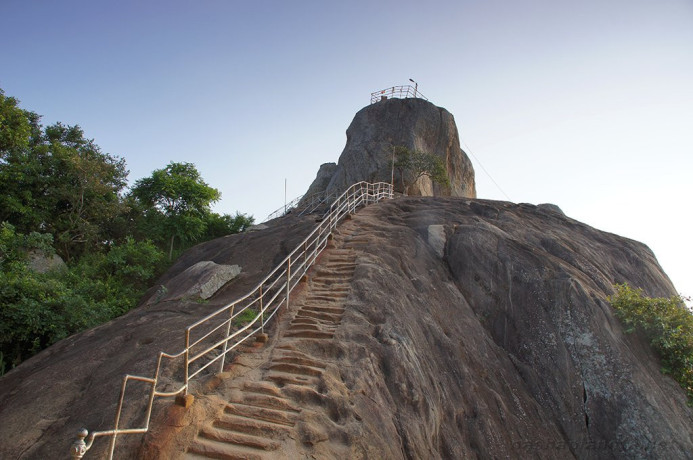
(259, 420)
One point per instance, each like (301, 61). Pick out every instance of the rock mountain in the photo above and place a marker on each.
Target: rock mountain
(413, 123)
(431, 327)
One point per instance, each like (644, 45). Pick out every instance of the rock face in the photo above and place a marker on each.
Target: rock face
(322, 180)
(469, 329)
(413, 123)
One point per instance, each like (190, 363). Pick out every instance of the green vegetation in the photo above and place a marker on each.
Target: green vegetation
(61, 195)
(667, 324)
(245, 317)
(411, 165)
(179, 194)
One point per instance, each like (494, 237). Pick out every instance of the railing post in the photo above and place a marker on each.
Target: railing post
(79, 447)
(117, 418)
(288, 282)
(187, 360)
(226, 342)
(262, 310)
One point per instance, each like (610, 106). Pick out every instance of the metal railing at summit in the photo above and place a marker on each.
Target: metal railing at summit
(400, 92)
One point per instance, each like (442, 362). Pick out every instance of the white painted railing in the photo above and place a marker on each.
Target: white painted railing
(304, 204)
(209, 340)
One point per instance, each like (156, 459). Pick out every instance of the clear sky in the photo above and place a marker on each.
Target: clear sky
(585, 104)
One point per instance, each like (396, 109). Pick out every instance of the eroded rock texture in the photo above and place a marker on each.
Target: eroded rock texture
(504, 347)
(413, 123)
(431, 328)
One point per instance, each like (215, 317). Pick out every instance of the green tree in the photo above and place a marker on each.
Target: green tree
(58, 182)
(666, 323)
(218, 225)
(411, 165)
(15, 125)
(179, 193)
(85, 188)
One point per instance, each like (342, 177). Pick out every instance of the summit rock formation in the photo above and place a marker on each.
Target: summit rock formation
(413, 123)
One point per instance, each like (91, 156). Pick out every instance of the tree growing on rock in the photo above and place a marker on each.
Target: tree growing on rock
(411, 165)
(179, 193)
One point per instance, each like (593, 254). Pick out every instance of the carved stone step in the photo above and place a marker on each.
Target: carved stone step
(303, 334)
(254, 439)
(265, 388)
(334, 269)
(342, 282)
(208, 448)
(319, 315)
(322, 302)
(304, 320)
(334, 310)
(259, 428)
(341, 275)
(333, 297)
(330, 290)
(266, 401)
(300, 359)
(311, 327)
(298, 369)
(282, 378)
(344, 257)
(261, 413)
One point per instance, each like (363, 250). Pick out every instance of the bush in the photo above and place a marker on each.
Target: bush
(667, 324)
(38, 309)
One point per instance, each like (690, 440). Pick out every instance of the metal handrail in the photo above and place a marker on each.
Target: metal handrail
(284, 209)
(401, 92)
(308, 204)
(318, 200)
(210, 339)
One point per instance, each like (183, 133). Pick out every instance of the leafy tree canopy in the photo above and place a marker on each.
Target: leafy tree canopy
(16, 125)
(176, 189)
(411, 165)
(61, 183)
(179, 193)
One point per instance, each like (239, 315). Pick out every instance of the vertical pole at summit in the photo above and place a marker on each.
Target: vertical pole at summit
(416, 87)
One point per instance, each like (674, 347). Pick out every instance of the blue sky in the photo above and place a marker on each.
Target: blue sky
(588, 105)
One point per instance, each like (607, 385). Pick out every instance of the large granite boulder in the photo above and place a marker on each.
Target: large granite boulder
(414, 123)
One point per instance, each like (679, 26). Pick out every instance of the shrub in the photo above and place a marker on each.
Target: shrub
(667, 324)
(38, 309)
